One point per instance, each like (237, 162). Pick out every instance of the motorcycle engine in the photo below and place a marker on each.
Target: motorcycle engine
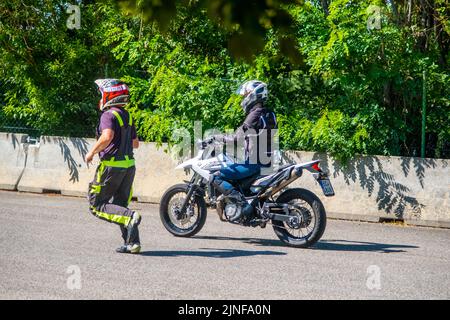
(231, 209)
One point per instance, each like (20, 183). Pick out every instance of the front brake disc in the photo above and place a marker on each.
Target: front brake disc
(182, 218)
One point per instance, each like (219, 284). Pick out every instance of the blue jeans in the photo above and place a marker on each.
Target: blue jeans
(234, 172)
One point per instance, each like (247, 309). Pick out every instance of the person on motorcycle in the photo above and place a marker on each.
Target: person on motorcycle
(255, 131)
(110, 191)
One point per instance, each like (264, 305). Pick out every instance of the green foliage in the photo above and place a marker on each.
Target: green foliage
(335, 85)
(44, 78)
(246, 22)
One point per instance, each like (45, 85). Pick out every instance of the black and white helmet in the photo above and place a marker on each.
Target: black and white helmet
(253, 91)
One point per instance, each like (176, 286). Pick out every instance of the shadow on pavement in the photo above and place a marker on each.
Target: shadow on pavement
(345, 245)
(211, 253)
(260, 242)
(332, 245)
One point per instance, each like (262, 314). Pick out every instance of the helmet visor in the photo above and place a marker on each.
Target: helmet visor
(242, 90)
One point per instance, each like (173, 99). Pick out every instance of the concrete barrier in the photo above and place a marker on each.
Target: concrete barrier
(12, 158)
(374, 188)
(57, 164)
(155, 172)
(368, 188)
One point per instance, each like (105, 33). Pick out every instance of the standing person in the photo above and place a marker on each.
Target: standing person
(111, 190)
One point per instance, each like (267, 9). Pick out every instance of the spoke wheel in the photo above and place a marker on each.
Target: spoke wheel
(308, 218)
(182, 224)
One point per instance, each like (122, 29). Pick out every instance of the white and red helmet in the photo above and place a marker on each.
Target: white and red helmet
(114, 93)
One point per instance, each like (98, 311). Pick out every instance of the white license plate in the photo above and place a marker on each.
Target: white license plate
(327, 188)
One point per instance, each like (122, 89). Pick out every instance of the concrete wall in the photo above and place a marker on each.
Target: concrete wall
(57, 164)
(154, 172)
(12, 159)
(368, 188)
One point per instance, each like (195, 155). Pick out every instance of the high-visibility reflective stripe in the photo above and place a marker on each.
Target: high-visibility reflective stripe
(96, 189)
(100, 171)
(119, 118)
(127, 163)
(123, 220)
(130, 196)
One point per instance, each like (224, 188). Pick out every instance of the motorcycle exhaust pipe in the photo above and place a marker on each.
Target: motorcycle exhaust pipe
(294, 175)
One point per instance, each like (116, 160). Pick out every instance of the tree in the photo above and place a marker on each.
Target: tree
(245, 22)
(347, 89)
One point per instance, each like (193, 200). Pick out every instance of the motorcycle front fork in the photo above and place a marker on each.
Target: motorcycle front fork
(193, 185)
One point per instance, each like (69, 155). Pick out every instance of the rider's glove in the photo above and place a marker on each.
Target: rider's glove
(207, 142)
(212, 139)
(219, 138)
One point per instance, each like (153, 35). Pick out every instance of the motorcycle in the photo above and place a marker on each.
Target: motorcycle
(297, 215)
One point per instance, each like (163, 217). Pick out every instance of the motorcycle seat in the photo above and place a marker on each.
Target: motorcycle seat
(262, 181)
(281, 168)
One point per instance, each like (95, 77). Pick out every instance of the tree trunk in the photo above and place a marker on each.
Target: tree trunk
(408, 19)
(443, 41)
(394, 11)
(325, 7)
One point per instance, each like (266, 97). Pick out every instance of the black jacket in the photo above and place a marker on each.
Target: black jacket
(258, 129)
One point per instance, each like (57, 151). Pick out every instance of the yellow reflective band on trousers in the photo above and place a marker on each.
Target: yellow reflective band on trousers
(130, 196)
(123, 220)
(96, 189)
(100, 171)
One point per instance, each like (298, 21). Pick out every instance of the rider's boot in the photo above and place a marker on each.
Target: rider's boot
(130, 234)
(129, 248)
(132, 228)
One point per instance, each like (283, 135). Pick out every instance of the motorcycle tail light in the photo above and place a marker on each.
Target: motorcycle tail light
(315, 166)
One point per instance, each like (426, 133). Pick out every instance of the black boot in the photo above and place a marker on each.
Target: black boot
(130, 235)
(130, 248)
(124, 232)
(132, 229)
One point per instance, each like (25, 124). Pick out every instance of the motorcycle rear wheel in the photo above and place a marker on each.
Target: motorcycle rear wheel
(308, 207)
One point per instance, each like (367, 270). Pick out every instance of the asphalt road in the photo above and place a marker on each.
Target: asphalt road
(53, 248)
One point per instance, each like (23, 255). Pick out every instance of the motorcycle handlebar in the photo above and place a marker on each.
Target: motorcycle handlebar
(202, 144)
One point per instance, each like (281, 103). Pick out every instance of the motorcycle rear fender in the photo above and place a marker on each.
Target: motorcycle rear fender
(313, 167)
(286, 173)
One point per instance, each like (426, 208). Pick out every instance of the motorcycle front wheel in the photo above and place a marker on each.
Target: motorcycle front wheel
(309, 218)
(177, 223)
